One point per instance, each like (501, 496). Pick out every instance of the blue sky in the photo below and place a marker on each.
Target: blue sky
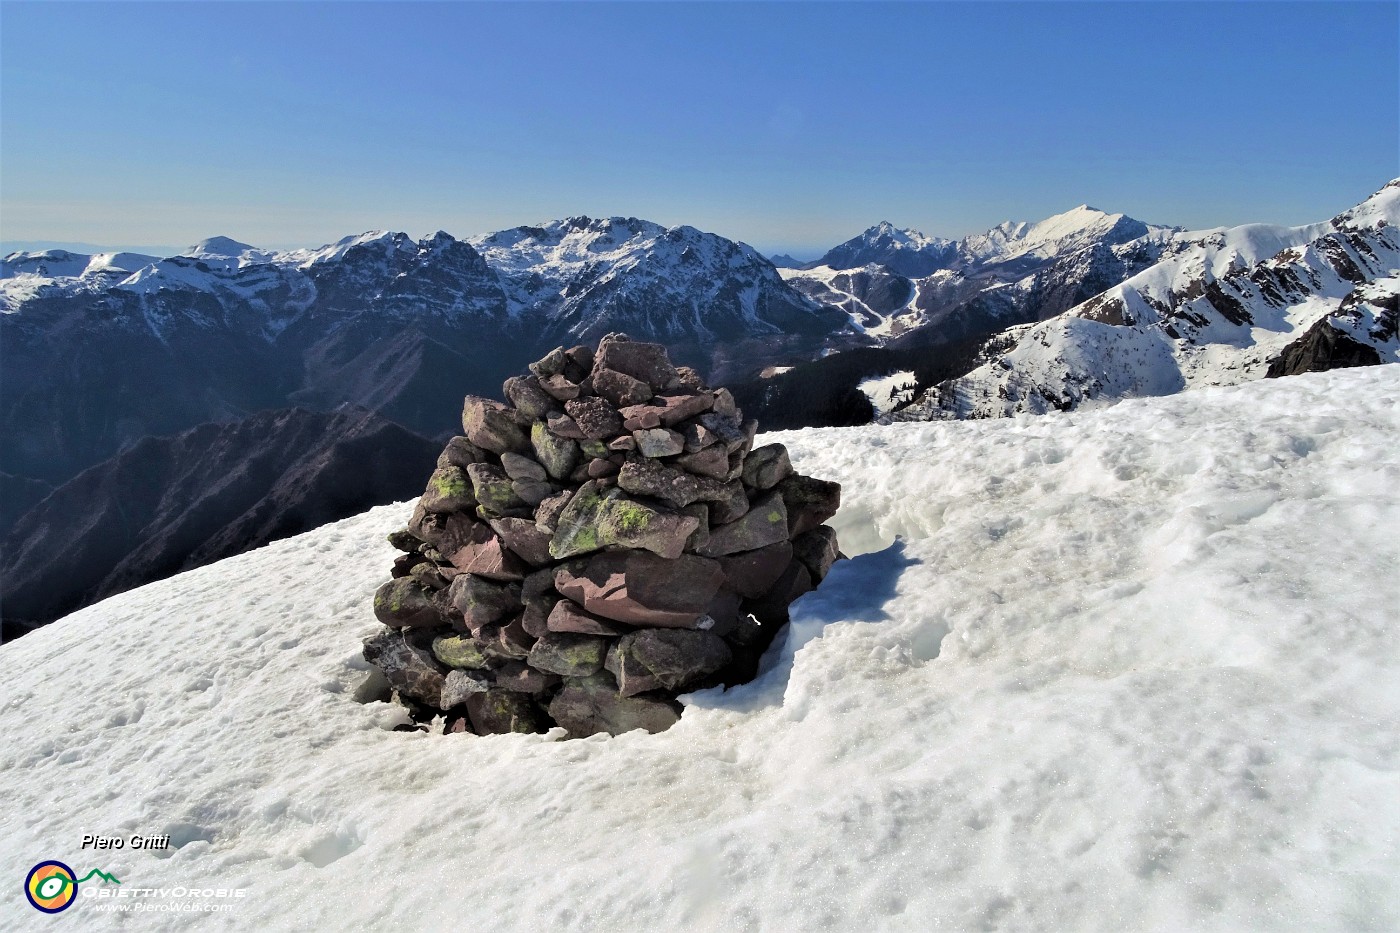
(791, 126)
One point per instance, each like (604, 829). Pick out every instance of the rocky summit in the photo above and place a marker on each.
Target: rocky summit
(602, 541)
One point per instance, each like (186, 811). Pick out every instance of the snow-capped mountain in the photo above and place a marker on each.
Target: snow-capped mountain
(102, 350)
(1221, 307)
(904, 252)
(1129, 669)
(896, 282)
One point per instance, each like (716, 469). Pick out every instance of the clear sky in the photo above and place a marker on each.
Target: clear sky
(791, 126)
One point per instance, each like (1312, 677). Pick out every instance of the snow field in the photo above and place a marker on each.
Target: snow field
(1135, 668)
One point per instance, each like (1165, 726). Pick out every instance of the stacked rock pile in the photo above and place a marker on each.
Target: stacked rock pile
(606, 540)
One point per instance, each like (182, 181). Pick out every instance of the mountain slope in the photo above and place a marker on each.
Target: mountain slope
(172, 503)
(1225, 307)
(95, 360)
(1103, 680)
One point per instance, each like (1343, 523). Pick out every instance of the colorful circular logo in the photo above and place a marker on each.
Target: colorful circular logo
(51, 887)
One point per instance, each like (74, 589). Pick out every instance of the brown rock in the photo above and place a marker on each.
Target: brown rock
(547, 512)
(772, 609)
(817, 550)
(809, 502)
(499, 712)
(529, 398)
(670, 659)
(595, 417)
(640, 588)
(408, 665)
(597, 469)
(552, 363)
(764, 524)
(449, 490)
(589, 705)
(710, 461)
(490, 426)
(519, 677)
(767, 466)
(731, 504)
(482, 602)
(645, 361)
(568, 617)
(640, 417)
(460, 684)
(697, 436)
(406, 603)
(562, 425)
(597, 517)
(620, 388)
(525, 539)
(623, 443)
(678, 407)
(483, 554)
(568, 654)
(461, 453)
(649, 478)
(753, 573)
(519, 466)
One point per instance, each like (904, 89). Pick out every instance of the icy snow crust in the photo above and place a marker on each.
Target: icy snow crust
(1135, 668)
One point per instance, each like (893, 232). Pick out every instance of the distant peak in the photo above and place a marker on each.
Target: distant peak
(221, 246)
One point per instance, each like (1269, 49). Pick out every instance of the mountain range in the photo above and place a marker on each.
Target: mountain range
(1218, 308)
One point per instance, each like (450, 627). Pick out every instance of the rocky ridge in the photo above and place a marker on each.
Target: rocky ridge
(601, 542)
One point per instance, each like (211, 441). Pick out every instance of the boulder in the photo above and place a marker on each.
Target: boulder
(590, 705)
(640, 588)
(552, 363)
(461, 453)
(566, 616)
(596, 419)
(491, 426)
(494, 491)
(645, 361)
(817, 550)
(500, 712)
(658, 442)
(406, 603)
(484, 555)
(461, 684)
(649, 478)
(410, 668)
(482, 602)
(670, 659)
(547, 512)
(596, 518)
(569, 654)
(809, 502)
(708, 461)
(675, 408)
(767, 466)
(524, 539)
(403, 541)
(620, 388)
(555, 452)
(753, 573)
(519, 677)
(519, 466)
(765, 523)
(449, 490)
(529, 398)
(459, 651)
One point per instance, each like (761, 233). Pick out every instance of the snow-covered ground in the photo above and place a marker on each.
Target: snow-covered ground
(1128, 669)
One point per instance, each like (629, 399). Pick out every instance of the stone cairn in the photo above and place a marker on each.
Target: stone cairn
(605, 541)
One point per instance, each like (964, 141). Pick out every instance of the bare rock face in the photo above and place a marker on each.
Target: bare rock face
(604, 541)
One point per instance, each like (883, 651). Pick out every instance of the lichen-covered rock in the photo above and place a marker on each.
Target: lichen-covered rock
(609, 539)
(482, 602)
(764, 524)
(494, 492)
(491, 426)
(658, 442)
(460, 651)
(569, 654)
(597, 518)
(410, 668)
(589, 705)
(670, 659)
(557, 454)
(500, 712)
(529, 398)
(406, 603)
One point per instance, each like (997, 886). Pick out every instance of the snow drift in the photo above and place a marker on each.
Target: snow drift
(1134, 668)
